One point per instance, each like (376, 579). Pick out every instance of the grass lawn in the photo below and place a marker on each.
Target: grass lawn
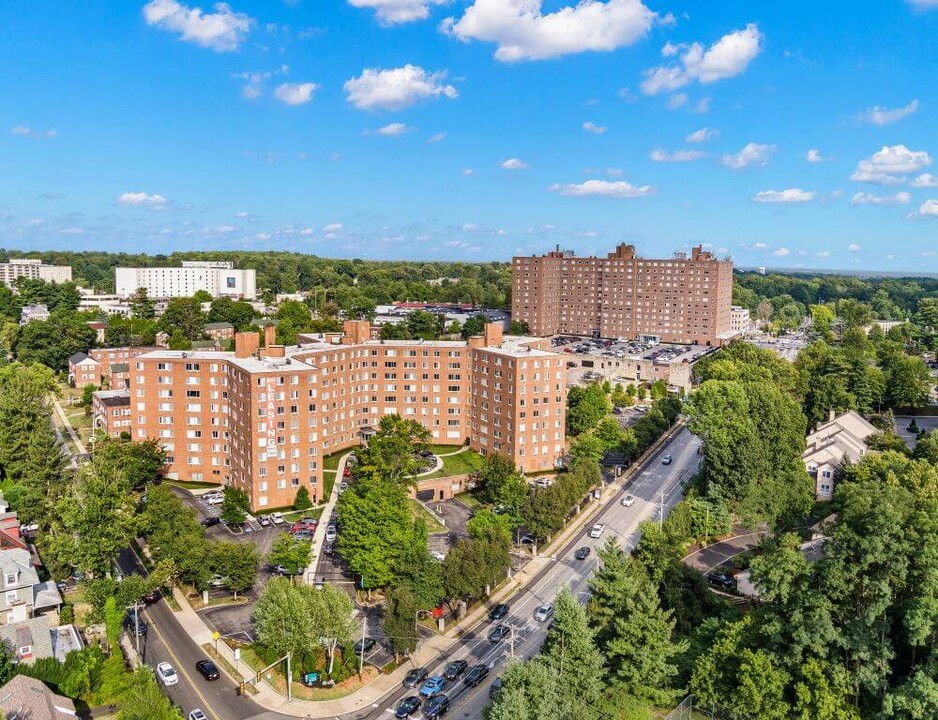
(296, 515)
(470, 500)
(461, 464)
(434, 526)
(331, 462)
(445, 449)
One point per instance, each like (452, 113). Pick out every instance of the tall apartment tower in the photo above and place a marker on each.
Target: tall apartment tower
(679, 300)
(262, 419)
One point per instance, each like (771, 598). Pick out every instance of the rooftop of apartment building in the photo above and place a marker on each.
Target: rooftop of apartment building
(624, 251)
(658, 353)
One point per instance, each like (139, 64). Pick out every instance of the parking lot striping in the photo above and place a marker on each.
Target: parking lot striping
(181, 668)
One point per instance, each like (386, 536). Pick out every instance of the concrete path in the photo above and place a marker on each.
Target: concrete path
(68, 426)
(319, 536)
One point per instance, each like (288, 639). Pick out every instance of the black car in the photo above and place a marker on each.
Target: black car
(133, 623)
(455, 669)
(207, 669)
(151, 597)
(407, 707)
(476, 675)
(498, 612)
(499, 633)
(721, 580)
(495, 689)
(364, 645)
(436, 707)
(415, 677)
(582, 553)
(210, 521)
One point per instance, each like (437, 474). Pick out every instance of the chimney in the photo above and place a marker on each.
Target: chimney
(831, 415)
(476, 341)
(493, 334)
(270, 335)
(246, 344)
(356, 331)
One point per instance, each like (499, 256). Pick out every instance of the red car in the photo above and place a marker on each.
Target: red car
(347, 472)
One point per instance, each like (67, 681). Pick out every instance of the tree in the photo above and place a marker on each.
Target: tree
(237, 312)
(141, 463)
(908, 381)
(174, 535)
(570, 650)
(472, 564)
(282, 618)
(183, 315)
(179, 341)
(588, 446)
(484, 521)
(302, 501)
(544, 510)
(519, 327)
(586, 407)
(290, 553)
(400, 620)
(140, 305)
(499, 482)
(235, 505)
(333, 619)
(235, 561)
(144, 700)
(609, 433)
(52, 342)
(530, 691)
(393, 452)
(927, 447)
(474, 325)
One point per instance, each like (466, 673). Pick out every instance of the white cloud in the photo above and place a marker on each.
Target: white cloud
(702, 135)
(753, 154)
(726, 58)
(888, 165)
(438, 137)
(791, 195)
(614, 172)
(678, 156)
(814, 156)
(295, 93)
(513, 164)
(760, 246)
(781, 252)
(678, 100)
(592, 127)
(924, 4)
(242, 215)
(140, 199)
(823, 254)
(883, 116)
(703, 106)
(929, 208)
(393, 130)
(332, 227)
(397, 88)
(853, 247)
(468, 172)
(23, 131)
(221, 31)
(71, 231)
(670, 49)
(900, 198)
(392, 12)
(523, 32)
(925, 180)
(603, 188)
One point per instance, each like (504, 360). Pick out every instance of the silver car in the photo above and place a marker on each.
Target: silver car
(544, 613)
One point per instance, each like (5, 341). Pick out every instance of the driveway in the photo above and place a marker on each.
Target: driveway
(924, 423)
(706, 559)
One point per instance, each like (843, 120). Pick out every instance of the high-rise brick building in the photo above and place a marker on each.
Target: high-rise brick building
(681, 299)
(262, 419)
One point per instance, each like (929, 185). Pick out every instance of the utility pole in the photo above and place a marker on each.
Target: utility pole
(511, 641)
(661, 509)
(137, 626)
(361, 657)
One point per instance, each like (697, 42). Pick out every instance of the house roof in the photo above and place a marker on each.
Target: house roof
(844, 436)
(33, 632)
(19, 561)
(46, 595)
(25, 697)
(113, 398)
(219, 326)
(77, 358)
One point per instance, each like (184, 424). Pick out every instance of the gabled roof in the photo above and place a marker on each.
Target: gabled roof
(25, 697)
(77, 358)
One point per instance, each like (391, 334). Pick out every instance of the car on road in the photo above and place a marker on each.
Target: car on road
(276, 518)
(455, 669)
(198, 714)
(495, 689)
(407, 707)
(597, 530)
(207, 669)
(263, 520)
(628, 500)
(331, 533)
(544, 613)
(476, 674)
(499, 633)
(166, 674)
(151, 597)
(582, 553)
(133, 623)
(667, 460)
(498, 612)
(328, 548)
(436, 707)
(213, 499)
(415, 677)
(364, 645)
(210, 521)
(721, 580)
(433, 685)
(347, 472)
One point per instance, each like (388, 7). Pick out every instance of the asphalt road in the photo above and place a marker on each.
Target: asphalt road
(528, 635)
(656, 484)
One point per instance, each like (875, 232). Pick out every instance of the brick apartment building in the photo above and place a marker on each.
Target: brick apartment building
(262, 419)
(679, 300)
(115, 363)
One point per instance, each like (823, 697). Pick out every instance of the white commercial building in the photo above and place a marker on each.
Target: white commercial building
(739, 320)
(218, 279)
(34, 270)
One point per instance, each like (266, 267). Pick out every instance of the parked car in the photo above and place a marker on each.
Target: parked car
(667, 460)
(432, 686)
(498, 612)
(328, 548)
(282, 570)
(263, 520)
(309, 522)
(364, 645)
(343, 486)
(495, 688)
(436, 707)
(151, 597)
(331, 534)
(544, 613)
(628, 500)
(207, 669)
(455, 669)
(597, 530)
(407, 707)
(166, 674)
(528, 539)
(476, 674)
(198, 714)
(415, 677)
(347, 472)
(276, 518)
(582, 553)
(213, 499)
(218, 581)
(210, 522)
(721, 580)
(134, 624)
(499, 633)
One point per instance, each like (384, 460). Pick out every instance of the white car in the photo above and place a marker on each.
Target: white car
(597, 530)
(628, 500)
(276, 518)
(214, 499)
(331, 534)
(198, 714)
(544, 613)
(166, 674)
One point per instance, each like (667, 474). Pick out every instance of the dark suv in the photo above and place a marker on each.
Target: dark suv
(721, 580)
(498, 612)
(436, 707)
(134, 624)
(476, 675)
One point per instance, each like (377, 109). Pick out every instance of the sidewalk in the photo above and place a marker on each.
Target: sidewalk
(319, 535)
(68, 426)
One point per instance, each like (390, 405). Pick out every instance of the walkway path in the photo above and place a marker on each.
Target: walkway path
(68, 426)
(705, 559)
(319, 536)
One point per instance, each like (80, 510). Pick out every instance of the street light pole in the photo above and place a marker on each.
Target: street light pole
(361, 657)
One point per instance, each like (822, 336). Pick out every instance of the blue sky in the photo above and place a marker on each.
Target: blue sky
(474, 129)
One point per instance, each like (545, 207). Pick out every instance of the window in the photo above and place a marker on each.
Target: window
(10, 578)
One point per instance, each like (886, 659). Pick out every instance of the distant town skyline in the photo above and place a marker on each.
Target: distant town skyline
(797, 136)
